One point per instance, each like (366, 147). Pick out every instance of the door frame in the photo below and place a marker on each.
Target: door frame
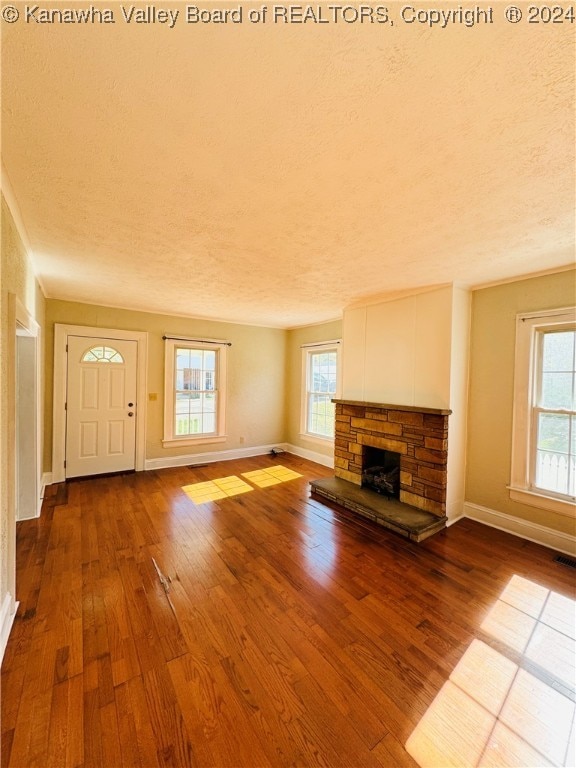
(29, 457)
(61, 334)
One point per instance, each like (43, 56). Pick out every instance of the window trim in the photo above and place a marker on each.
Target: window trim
(528, 327)
(307, 350)
(170, 439)
(102, 358)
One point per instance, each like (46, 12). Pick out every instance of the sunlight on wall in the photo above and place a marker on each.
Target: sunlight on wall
(512, 704)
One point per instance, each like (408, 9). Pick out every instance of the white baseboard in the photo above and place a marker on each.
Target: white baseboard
(540, 534)
(45, 481)
(7, 616)
(212, 456)
(453, 520)
(304, 453)
(35, 516)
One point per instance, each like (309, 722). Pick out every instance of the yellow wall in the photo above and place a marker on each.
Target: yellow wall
(296, 337)
(17, 277)
(491, 390)
(255, 381)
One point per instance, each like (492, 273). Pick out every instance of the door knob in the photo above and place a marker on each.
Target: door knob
(130, 413)
(130, 405)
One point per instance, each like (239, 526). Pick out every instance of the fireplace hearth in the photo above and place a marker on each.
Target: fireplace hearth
(406, 493)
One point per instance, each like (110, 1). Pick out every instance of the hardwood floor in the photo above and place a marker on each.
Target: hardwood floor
(268, 629)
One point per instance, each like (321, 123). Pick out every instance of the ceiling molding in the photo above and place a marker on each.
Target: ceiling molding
(382, 298)
(179, 315)
(14, 208)
(519, 278)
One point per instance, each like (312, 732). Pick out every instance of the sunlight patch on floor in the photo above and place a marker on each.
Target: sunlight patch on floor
(494, 712)
(224, 487)
(271, 476)
(213, 490)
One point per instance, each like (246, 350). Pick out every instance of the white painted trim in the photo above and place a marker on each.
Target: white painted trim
(12, 203)
(329, 343)
(7, 616)
(45, 481)
(220, 348)
(188, 441)
(25, 321)
(337, 319)
(27, 326)
(453, 520)
(540, 534)
(318, 439)
(307, 350)
(212, 456)
(145, 311)
(516, 278)
(382, 298)
(10, 427)
(542, 501)
(529, 326)
(304, 453)
(237, 453)
(61, 333)
(35, 516)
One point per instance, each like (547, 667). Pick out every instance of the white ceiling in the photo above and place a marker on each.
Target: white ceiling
(273, 174)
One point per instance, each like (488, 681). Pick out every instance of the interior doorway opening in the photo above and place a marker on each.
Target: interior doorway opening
(27, 453)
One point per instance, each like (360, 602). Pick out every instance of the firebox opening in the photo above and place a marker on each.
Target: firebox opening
(381, 471)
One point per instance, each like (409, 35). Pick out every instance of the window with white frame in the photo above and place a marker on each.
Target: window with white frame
(544, 432)
(321, 372)
(194, 405)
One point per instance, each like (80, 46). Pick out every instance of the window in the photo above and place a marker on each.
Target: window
(554, 413)
(544, 434)
(321, 384)
(102, 355)
(194, 402)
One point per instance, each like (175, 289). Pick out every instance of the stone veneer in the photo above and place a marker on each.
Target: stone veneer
(419, 435)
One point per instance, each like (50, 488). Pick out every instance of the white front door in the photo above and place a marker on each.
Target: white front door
(101, 406)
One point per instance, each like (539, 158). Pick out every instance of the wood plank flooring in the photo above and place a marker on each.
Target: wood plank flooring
(286, 633)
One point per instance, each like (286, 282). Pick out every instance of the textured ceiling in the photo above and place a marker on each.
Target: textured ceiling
(273, 174)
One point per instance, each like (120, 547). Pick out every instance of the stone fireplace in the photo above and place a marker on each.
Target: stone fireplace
(406, 449)
(418, 435)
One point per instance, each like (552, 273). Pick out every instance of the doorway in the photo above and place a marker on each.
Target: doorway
(98, 373)
(28, 471)
(101, 406)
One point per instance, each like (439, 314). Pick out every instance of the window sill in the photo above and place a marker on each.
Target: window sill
(202, 440)
(320, 439)
(540, 500)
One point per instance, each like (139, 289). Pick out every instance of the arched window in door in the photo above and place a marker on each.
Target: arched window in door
(102, 355)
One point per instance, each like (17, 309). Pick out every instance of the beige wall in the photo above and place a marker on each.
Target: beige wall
(255, 381)
(17, 278)
(296, 338)
(491, 390)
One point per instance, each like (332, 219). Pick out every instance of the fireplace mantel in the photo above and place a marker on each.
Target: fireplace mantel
(395, 407)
